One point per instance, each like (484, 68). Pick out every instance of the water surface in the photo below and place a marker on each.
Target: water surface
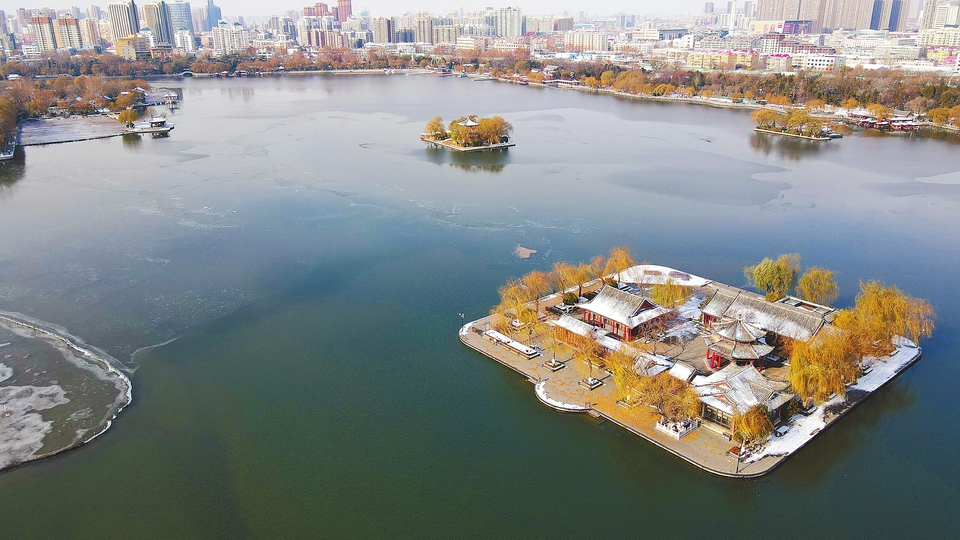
(313, 256)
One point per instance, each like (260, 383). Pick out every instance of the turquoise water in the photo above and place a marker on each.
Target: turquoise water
(312, 256)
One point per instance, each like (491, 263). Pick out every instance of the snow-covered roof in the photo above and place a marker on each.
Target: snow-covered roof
(737, 350)
(719, 304)
(589, 331)
(683, 371)
(651, 274)
(627, 309)
(735, 389)
(739, 331)
(782, 319)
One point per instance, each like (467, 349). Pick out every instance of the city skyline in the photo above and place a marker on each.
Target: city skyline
(396, 7)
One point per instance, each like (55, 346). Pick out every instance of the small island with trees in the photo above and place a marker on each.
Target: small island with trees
(469, 133)
(732, 381)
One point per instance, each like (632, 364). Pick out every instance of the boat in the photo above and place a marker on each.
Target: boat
(157, 126)
(9, 149)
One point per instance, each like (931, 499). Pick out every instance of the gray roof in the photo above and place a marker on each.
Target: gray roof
(627, 309)
(719, 304)
(737, 350)
(782, 319)
(739, 331)
(736, 389)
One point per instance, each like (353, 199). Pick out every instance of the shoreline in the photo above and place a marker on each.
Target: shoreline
(91, 356)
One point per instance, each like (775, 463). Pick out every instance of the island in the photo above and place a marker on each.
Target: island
(469, 134)
(730, 380)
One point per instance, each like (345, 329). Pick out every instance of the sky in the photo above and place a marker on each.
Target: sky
(396, 7)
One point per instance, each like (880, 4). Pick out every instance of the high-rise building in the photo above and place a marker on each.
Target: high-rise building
(708, 8)
(157, 19)
(66, 32)
(748, 9)
(183, 39)
(317, 10)
(383, 31)
(424, 29)
(344, 10)
(124, 19)
(94, 12)
(446, 33)
(509, 22)
(181, 16)
(214, 15)
(41, 28)
(89, 32)
(230, 38)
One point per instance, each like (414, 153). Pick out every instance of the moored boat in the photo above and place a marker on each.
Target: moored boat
(157, 125)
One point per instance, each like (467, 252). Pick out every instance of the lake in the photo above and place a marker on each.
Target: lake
(311, 255)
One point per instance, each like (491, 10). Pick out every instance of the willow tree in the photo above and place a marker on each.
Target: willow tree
(753, 425)
(536, 284)
(818, 285)
(670, 293)
(882, 313)
(598, 265)
(563, 276)
(775, 277)
(127, 116)
(628, 382)
(581, 276)
(823, 366)
(675, 400)
(436, 130)
(620, 259)
(586, 353)
(765, 117)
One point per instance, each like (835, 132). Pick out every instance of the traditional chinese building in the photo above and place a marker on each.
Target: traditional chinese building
(738, 342)
(622, 314)
(734, 390)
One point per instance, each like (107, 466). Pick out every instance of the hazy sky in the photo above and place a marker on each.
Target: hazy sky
(396, 7)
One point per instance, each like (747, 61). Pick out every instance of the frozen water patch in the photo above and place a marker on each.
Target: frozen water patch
(22, 428)
(950, 178)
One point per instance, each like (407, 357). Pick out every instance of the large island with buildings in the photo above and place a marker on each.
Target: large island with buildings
(709, 372)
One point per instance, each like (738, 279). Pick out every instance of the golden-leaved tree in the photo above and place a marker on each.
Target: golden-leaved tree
(621, 258)
(823, 366)
(775, 277)
(675, 400)
(753, 425)
(818, 285)
(882, 313)
(670, 293)
(435, 129)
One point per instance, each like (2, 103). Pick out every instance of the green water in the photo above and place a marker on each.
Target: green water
(313, 257)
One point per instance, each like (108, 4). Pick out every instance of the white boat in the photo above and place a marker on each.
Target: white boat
(157, 125)
(8, 151)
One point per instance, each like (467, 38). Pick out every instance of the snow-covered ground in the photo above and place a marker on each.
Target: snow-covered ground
(555, 403)
(804, 428)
